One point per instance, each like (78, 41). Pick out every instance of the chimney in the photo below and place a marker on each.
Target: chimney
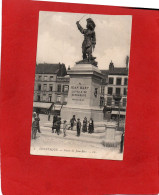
(111, 66)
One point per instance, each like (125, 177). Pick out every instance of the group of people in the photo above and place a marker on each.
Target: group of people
(88, 126)
(35, 125)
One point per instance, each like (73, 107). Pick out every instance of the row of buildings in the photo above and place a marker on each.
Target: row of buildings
(52, 87)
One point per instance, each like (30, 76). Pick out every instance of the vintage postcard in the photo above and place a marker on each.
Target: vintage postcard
(81, 84)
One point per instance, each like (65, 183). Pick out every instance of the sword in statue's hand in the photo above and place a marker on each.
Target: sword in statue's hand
(82, 18)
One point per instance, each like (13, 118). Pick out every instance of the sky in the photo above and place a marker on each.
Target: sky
(59, 40)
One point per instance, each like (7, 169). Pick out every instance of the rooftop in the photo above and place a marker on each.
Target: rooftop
(119, 71)
(45, 68)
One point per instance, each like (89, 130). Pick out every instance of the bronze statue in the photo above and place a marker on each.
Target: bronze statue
(89, 42)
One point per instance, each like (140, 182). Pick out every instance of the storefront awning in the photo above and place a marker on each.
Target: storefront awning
(57, 107)
(117, 112)
(42, 105)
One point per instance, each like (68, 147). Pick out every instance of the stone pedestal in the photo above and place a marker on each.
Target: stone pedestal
(110, 135)
(84, 93)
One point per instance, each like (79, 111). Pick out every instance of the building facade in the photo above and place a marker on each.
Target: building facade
(117, 83)
(61, 93)
(52, 86)
(46, 87)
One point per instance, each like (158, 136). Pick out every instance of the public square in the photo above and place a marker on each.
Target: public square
(87, 88)
(48, 143)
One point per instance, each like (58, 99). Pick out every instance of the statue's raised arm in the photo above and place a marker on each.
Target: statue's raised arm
(89, 42)
(80, 27)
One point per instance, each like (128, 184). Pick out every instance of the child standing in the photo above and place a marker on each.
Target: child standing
(64, 128)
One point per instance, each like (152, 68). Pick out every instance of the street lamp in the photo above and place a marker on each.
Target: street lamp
(117, 98)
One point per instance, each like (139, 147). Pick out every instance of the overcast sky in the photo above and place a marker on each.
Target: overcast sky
(59, 40)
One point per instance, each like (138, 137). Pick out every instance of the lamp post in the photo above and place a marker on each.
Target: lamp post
(117, 98)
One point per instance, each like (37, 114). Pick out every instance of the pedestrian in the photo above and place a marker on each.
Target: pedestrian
(54, 123)
(34, 126)
(49, 116)
(72, 121)
(84, 128)
(38, 119)
(122, 142)
(78, 127)
(91, 126)
(104, 112)
(64, 128)
(58, 125)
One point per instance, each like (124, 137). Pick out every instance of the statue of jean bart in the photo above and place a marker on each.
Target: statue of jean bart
(89, 42)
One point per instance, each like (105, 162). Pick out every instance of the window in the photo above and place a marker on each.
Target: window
(44, 97)
(65, 88)
(51, 78)
(124, 102)
(45, 87)
(95, 92)
(38, 98)
(45, 78)
(50, 98)
(109, 101)
(40, 78)
(118, 81)
(102, 90)
(125, 91)
(110, 90)
(58, 88)
(58, 98)
(118, 91)
(39, 87)
(65, 98)
(111, 80)
(125, 81)
(101, 101)
(50, 87)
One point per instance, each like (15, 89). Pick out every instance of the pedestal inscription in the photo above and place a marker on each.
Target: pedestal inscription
(79, 92)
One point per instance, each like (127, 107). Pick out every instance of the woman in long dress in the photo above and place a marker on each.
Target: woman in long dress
(84, 128)
(91, 126)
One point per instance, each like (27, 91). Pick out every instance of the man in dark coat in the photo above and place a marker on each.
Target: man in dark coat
(122, 142)
(58, 125)
(104, 111)
(55, 118)
(78, 127)
(38, 119)
(72, 121)
(34, 126)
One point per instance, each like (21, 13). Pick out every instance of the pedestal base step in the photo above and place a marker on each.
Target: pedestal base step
(110, 143)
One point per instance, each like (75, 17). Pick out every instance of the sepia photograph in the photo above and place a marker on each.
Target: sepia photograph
(81, 85)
